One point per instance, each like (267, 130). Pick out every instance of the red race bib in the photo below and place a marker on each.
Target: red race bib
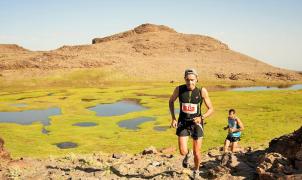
(189, 108)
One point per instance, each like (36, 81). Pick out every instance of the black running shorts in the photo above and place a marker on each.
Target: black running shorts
(232, 139)
(189, 128)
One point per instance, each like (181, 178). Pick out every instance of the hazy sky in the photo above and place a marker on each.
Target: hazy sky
(269, 30)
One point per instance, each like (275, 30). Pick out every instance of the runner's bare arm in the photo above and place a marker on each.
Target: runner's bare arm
(208, 102)
(171, 106)
(240, 124)
(171, 102)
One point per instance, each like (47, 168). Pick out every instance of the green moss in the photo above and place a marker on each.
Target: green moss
(265, 114)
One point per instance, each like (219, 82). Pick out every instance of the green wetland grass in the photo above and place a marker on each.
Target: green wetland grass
(265, 114)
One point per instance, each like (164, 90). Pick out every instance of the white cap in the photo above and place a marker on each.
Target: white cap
(191, 71)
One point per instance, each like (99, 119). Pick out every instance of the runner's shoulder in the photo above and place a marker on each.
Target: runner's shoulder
(203, 90)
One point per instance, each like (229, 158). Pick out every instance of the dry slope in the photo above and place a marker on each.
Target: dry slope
(151, 52)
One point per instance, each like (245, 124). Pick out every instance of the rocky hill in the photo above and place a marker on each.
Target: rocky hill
(281, 160)
(152, 53)
(12, 48)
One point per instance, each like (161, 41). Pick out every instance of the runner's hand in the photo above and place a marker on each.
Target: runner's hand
(173, 123)
(197, 120)
(231, 130)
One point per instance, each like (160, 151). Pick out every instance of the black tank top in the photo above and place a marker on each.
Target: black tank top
(190, 103)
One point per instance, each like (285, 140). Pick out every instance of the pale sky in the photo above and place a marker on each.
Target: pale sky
(268, 30)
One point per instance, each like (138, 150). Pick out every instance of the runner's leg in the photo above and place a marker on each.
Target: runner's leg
(226, 145)
(234, 146)
(183, 144)
(196, 151)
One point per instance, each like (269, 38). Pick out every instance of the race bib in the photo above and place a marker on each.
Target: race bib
(189, 108)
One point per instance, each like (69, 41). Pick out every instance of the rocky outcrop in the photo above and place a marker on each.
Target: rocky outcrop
(4, 159)
(149, 164)
(144, 28)
(4, 155)
(275, 166)
(288, 145)
(150, 38)
(283, 158)
(279, 76)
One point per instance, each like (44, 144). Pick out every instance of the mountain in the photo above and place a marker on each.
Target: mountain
(151, 53)
(12, 48)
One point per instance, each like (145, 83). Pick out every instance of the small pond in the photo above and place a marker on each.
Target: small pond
(118, 108)
(161, 128)
(29, 116)
(85, 124)
(134, 123)
(66, 145)
(267, 88)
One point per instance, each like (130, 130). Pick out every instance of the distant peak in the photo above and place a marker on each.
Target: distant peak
(11, 48)
(141, 29)
(145, 28)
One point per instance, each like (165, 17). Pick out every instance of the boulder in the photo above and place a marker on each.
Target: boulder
(149, 150)
(168, 150)
(284, 158)
(3, 153)
(275, 166)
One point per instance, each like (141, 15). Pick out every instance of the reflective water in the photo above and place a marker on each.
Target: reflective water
(66, 145)
(85, 124)
(161, 128)
(266, 88)
(118, 108)
(134, 123)
(29, 116)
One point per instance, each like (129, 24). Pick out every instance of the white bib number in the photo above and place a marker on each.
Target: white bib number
(189, 108)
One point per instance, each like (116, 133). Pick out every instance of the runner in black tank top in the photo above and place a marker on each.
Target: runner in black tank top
(190, 105)
(190, 116)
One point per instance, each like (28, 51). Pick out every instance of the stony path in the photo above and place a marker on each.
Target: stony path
(282, 159)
